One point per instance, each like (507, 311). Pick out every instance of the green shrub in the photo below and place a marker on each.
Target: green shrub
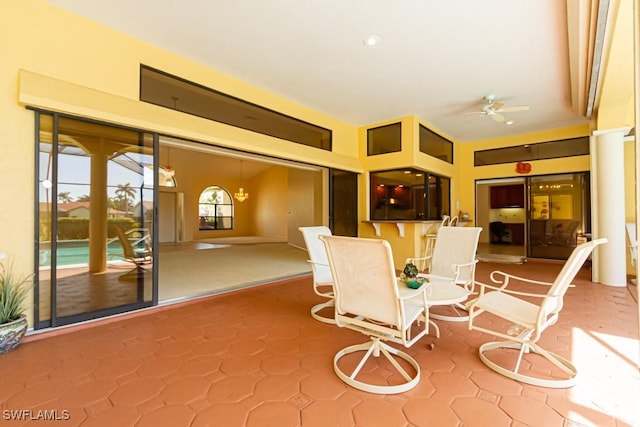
(78, 228)
(13, 291)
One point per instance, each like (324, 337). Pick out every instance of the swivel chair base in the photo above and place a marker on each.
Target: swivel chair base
(375, 348)
(316, 309)
(565, 365)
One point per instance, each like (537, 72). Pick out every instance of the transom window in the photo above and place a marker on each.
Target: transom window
(215, 207)
(384, 139)
(434, 145)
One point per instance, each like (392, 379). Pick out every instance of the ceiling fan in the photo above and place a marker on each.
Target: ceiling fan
(495, 109)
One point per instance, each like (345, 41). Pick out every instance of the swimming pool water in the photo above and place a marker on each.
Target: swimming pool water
(77, 252)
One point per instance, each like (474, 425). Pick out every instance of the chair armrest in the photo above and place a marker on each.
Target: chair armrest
(484, 286)
(457, 267)
(433, 276)
(413, 260)
(469, 269)
(466, 264)
(507, 277)
(317, 263)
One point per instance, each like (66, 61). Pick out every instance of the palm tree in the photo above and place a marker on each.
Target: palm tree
(126, 191)
(65, 197)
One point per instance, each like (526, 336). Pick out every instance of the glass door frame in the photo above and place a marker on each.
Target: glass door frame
(350, 221)
(484, 217)
(584, 226)
(55, 320)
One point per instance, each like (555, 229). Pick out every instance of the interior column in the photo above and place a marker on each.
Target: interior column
(608, 206)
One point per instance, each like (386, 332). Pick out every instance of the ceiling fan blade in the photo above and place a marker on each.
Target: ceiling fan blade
(473, 112)
(497, 106)
(514, 109)
(497, 117)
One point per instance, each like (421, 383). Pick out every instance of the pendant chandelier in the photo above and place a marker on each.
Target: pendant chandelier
(167, 173)
(241, 196)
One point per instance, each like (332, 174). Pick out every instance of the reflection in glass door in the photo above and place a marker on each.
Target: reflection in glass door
(96, 220)
(343, 201)
(559, 214)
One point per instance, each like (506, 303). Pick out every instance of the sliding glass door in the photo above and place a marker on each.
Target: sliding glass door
(95, 220)
(559, 214)
(343, 210)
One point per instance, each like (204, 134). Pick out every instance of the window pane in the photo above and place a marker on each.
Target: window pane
(400, 195)
(215, 209)
(224, 210)
(384, 139)
(159, 88)
(445, 201)
(528, 152)
(434, 145)
(45, 196)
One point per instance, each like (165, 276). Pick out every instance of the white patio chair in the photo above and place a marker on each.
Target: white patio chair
(452, 270)
(322, 279)
(369, 300)
(453, 222)
(531, 314)
(424, 263)
(633, 247)
(139, 252)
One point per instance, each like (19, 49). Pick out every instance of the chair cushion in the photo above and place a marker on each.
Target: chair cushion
(509, 307)
(412, 310)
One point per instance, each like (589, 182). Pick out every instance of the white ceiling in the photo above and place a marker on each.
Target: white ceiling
(436, 59)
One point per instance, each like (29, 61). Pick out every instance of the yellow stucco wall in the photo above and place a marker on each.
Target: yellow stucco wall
(56, 60)
(268, 200)
(615, 108)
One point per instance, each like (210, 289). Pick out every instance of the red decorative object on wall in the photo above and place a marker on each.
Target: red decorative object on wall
(522, 167)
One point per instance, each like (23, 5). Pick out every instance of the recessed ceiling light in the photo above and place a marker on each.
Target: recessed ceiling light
(509, 122)
(371, 40)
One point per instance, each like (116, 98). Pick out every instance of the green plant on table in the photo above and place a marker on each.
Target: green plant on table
(410, 271)
(410, 276)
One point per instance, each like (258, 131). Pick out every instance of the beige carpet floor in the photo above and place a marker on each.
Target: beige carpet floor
(187, 270)
(243, 240)
(214, 268)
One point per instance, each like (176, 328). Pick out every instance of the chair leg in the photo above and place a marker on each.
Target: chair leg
(427, 318)
(134, 274)
(137, 275)
(565, 365)
(460, 317)
(376, 347)
(316, 309)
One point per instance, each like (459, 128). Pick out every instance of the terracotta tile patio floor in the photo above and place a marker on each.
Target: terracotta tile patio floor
(255, 357)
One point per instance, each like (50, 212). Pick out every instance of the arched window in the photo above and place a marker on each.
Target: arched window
(166, 177)
(215, 208)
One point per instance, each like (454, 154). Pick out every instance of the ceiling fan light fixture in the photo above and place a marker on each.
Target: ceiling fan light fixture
(494, 109)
